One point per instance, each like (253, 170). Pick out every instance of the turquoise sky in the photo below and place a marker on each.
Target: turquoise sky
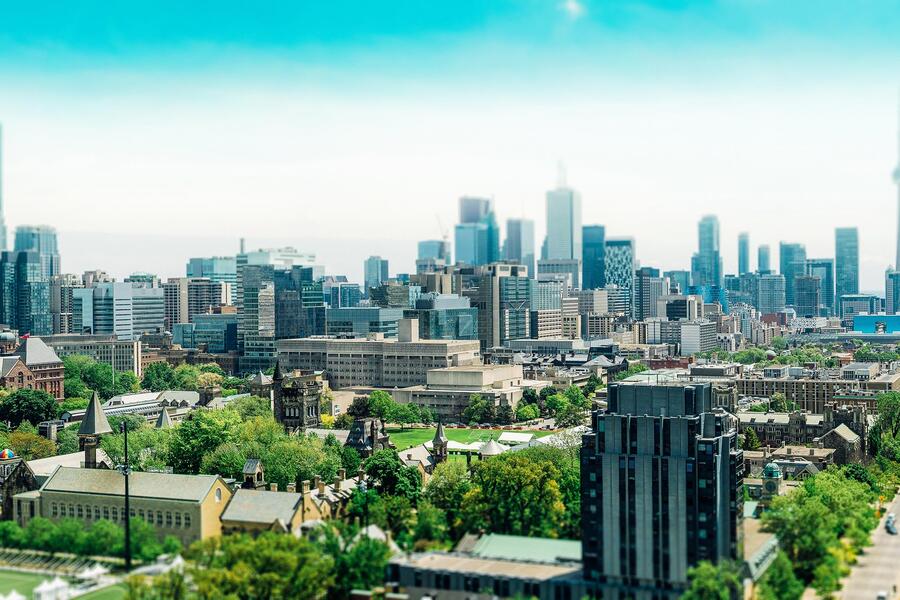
(359, 123)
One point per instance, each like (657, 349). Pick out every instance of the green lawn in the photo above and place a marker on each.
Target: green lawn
(414, 437)
(113, 592)
(22, 582)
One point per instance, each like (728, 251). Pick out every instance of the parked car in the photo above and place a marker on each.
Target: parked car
(890, 525)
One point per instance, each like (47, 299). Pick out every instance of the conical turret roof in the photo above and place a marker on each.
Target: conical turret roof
(94, 421)
(164, 421)
(439, 436)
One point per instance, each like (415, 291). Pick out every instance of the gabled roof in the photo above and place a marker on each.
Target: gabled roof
(492, 448)
(260, 506)
(846, 433)
(163, 486)
(260, 379)
(94, 421)
(7, 363)
(35, 352)
(251, 466)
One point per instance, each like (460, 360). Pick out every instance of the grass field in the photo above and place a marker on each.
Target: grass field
(414, 437)
(24, 583)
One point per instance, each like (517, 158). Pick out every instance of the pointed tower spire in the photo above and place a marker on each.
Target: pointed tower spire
(94, 422)
(277, 375)
(439, 436)
(164, 421)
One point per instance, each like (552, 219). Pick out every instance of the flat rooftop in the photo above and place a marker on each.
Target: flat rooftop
(496, 568)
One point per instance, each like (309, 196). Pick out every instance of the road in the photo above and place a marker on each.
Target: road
(878, 568)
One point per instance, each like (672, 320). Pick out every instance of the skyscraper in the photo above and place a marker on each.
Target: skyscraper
(846, 261)
(763, 259)
(661, 480)
(792, 259)
(375, 273)
(619, 265)
(563, 224)
(593, 253)
(40, 239)
(808, 293)
(823, 268)
(434, 249)
(2, 218)
(706, 264)
(477, 236)
(25, 293)
(472, 209)
(648, 288)
(743, 253)
(771, 293)
(892, 292)
(519, 246)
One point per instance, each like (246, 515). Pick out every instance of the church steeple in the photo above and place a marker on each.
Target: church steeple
(93, 425)
(439, 445)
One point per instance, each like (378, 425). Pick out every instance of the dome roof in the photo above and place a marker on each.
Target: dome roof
(772, 470)
(7, 453)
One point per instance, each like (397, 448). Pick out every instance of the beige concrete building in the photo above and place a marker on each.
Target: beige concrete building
(124, 355)
(188, 507)
(812, 395)
(375, 361)
(447, 391)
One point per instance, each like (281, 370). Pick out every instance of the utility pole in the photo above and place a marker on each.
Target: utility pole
(126, 471)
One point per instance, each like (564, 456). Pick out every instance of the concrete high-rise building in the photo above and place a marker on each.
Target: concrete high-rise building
(771, 294)
(40, 239)
(215, 268)
(187, 297)
(61, 301)
(502, 295)
(375, 272)
(478, 243)
(121, 309)
(661, 480)
(697, 336)
(25, 293)
(519, 246)
(299, 303)
(593, 257)
(846, 261)
(564, 224)
(435, 250)
(792, 263)
(763, 259)
(649, 287)
(256, 320)
(743, 253)
(808, 295)
(823, 268)
(2, 217)
(706, 264)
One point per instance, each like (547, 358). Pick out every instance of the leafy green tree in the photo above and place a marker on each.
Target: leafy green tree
(446, 490)
(505, 414)
(251, 406)
(360, 407)
(272, 566)
(11, 535)
(569, 416)
(381, 404)
(398, 513)
(211, 368)
(343, 421)
(779, 581)
(350, 459)
(779, 344)
(527, 412)
(557, 403)
(159, 377)
(529, 396)
(710, 581)
(751, 440)
(187, 377)
(391, 477)
(515, 495)
(226, 460)
(360, 561)
(201, 432)
(40, 534)
(29, 445)
(576, 397)
(633, 369)
(780, 403)
(479, 410)
(431, 523)
(104, 538)
(33, 406)
(148, 447)
(79, 403)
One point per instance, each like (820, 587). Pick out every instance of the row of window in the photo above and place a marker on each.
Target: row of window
(114, 514)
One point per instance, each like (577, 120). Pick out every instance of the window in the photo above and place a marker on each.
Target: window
(54, 510)
(105, 512)
(177, 519)
(218, 494)
(168, 519)
(80, 511)
(159, 517)
(187, 520)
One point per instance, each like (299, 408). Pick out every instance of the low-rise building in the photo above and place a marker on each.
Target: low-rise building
(122, 355)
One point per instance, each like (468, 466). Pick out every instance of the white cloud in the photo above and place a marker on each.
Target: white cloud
(573, 9)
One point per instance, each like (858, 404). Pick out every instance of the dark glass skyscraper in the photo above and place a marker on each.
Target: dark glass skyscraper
(792, 259)
(519, 246)
(593, 257)
(846, 261)
(25, 293)
(823, 268)
(40, 239)
(743, 253)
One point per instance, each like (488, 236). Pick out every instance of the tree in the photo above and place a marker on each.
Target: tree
(710, 581)
(159, 377)
(343, 421)
(360, 407)
(751, 440)
(40, 534)
(201, 432)
(104, 538)
(71, 404)
(569, 416)
(33, 406)
(576, 397)
(251, 406)
(515, 495)
(479, 410)
(779, 403)
(208, 380)
(272, 566)
(29, 445)
(381, 404)
(11, 535)
(529, 396)
(431, 523)
(187, 377)
(213, 368)
(779, 344)
(505, 414)
(779, 581)
(148, 447)
(557, 403)
(446, 490)
(391, 477)
(359, 560)
(592, 385)
(527, 412)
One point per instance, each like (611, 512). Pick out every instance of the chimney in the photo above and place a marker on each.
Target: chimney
(292, 487)
(337, 483)
(273, 487)
(788, 449)
(360, 475)
(342, 474)
(304, 486)
(409, 456)
(316, 481)
(812, 451)
(320, 485)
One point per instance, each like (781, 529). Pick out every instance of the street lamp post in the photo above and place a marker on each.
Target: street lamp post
(125, 470)
(365, 491)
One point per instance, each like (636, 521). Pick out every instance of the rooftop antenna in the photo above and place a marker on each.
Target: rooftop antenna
(242, 245)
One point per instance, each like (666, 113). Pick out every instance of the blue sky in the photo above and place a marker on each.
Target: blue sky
(357, 123)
